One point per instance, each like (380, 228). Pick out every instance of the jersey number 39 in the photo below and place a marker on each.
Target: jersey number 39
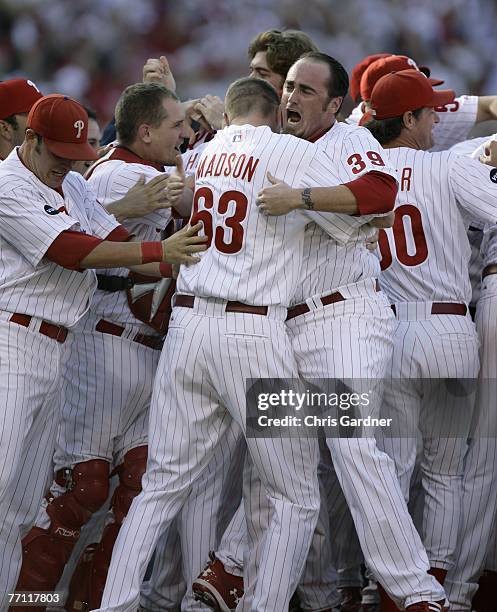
(408, 226)
(233, 221)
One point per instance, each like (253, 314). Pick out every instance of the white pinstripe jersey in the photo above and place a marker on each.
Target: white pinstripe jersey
(192, 155)
(252, 258)
(456, 121)
(328, 263)
(111, 180)
(474, 148)
(32, 215)
(425, 255)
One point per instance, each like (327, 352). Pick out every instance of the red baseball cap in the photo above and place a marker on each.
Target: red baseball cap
(382, 66)
(17, 96)
(63, 123)
(407, 90)
(358, 71)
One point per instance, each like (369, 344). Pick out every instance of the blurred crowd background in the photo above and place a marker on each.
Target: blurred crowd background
(92, 49)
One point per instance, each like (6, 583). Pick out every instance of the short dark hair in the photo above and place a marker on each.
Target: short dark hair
(91, 113)
(386, 130)
(138, 104)
(282, 48)
(248, 95)
(12, 121)
(338, 83)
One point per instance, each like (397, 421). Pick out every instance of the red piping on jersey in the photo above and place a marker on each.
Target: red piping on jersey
(375, 192)
(320, 134)
(70, 248)
(122, 153)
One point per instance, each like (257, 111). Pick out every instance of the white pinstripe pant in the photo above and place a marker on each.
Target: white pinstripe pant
(479, 484)
(30, 394)
(199, 390)
(429, 352)
(352, 339)
(204, 517)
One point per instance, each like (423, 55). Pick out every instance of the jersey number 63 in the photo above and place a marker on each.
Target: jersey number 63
(233, 221)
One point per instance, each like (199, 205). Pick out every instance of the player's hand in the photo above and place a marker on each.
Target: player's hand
(142, 199)
(372, 240)
(279, 199)
(384, 221)
(209, 112)
(158, 71)
(489, 155)
(105, 149)
(176, 182)
(181, 246)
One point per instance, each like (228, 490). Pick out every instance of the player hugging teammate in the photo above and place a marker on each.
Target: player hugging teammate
(313, 249)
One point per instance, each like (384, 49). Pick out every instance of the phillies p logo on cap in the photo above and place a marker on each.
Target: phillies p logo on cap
(63, 123)
(79, 125)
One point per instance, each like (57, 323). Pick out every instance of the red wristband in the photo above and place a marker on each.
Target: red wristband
(151, 251)
(166, 270)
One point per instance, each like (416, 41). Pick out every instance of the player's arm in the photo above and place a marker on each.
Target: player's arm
(487, 108)
(162, 191)
(475, 184)
(371, 194)
(77, 251)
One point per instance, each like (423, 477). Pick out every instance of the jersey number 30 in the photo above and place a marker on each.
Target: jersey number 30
(233, 222)
(410, 214)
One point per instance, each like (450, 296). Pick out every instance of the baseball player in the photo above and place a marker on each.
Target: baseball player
(48, 215)
(430, 291)
(351, 279)
(252, 346)
(95, 436)
(17, 96)
(479, 509)
(456, 118)
(343, 277)
(271, 54)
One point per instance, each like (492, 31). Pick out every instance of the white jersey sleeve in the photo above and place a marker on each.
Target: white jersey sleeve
(456, 121)
(28, 222)
(101, 223)
(475, 187)
(471, 148)
(349, 153)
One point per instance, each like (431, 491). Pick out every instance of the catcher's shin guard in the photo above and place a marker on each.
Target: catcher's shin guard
(130, 485)
(45, 552)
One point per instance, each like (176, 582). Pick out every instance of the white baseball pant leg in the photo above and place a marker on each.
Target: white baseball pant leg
(206, 359)
(352, 340)
(206, 513)
(434, 357)
(479, 483)
(30, 396)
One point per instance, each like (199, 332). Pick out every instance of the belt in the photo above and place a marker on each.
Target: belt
(332, 298)
(187, 301)
(55, 332)
(113, 283)
(106, 327)
(441, 308)
(490, 269)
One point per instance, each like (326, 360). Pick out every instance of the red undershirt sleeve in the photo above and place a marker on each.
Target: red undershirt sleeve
(375, 192)
(119, 234)
(70, 248)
